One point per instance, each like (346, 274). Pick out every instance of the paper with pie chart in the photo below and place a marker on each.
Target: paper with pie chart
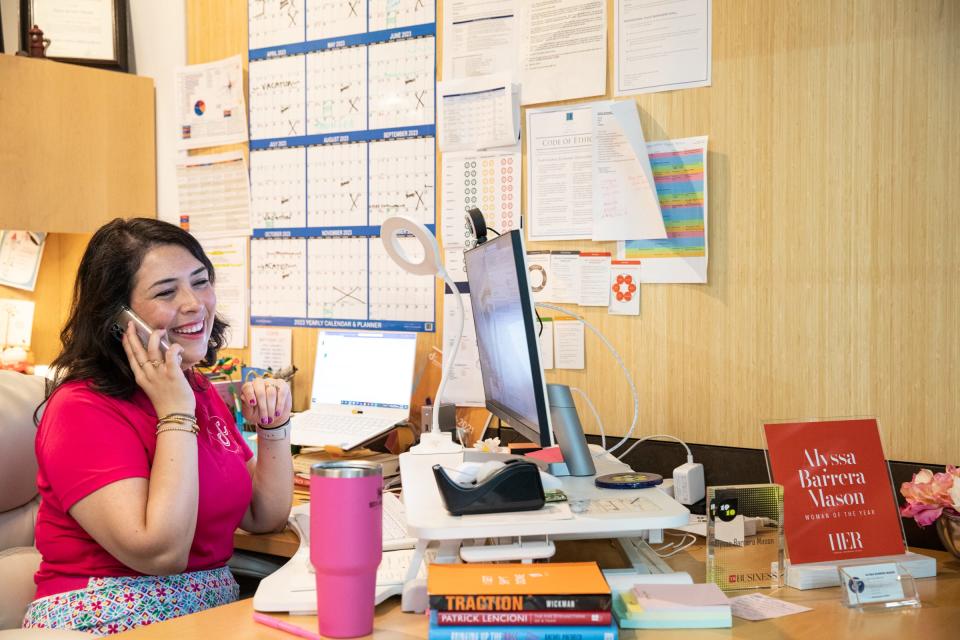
(210, 105)
(624, 288)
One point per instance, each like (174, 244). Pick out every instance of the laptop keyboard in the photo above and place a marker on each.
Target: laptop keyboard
(338, 429)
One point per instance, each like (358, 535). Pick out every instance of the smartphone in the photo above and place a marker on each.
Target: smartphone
(144, 330)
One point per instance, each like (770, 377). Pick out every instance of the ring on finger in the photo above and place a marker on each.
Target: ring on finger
(155, 363)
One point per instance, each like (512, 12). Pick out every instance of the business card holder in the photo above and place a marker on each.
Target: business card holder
(877, 586)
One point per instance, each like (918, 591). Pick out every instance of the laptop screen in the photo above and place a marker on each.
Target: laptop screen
(364, 369)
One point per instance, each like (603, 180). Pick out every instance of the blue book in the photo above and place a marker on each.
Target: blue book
(555, 632)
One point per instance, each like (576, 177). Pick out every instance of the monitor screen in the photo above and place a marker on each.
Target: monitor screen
(513, 381)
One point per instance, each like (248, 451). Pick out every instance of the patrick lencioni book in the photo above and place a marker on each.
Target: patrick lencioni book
(546, 601)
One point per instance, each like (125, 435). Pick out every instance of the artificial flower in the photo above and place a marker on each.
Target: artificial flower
(490, 445)
(929, 494)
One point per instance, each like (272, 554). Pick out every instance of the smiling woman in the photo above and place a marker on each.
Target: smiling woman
(143, 474)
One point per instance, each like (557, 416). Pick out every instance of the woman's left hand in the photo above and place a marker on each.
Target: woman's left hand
(266, 402)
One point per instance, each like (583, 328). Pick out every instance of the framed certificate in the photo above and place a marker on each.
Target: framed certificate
(90, 32)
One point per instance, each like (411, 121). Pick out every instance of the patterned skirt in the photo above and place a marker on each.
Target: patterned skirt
(111, 605)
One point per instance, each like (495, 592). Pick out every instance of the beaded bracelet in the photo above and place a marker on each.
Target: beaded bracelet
(186, 422)
(194, 430)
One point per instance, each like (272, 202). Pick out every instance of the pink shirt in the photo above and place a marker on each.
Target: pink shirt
(86, 440)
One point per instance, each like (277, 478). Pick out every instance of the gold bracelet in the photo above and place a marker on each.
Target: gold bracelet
(169, 420)
(168, 423)
(175, 418)
(182, 416)
(194, 431)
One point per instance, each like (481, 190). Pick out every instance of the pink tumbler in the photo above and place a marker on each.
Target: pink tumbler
(346, 520)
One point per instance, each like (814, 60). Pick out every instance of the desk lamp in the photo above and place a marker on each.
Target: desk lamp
(435, 447)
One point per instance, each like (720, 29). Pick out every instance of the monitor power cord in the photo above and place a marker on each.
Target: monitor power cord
(623, 367)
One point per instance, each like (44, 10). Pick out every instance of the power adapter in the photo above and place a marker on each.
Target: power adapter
(688, 483)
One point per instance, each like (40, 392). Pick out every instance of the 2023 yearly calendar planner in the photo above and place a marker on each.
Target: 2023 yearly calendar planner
(342, 128)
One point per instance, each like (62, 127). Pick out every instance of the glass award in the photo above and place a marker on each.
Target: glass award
(745, 536)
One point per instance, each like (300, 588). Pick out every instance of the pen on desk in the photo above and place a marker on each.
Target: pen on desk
(292, 629)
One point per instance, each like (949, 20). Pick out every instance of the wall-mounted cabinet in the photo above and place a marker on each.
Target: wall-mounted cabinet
(76, 146)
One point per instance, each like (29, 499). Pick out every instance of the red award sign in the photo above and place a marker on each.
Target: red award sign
(838, 501)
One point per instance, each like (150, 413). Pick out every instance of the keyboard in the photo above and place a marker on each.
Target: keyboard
(395, 534)
(394, 524)
(293, 587)
(345, 431)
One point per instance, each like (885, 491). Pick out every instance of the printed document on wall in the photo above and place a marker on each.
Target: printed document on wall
(661, 45)
(16, 322)
(560, 173)
(680, 174)
(271, 347)
(563, 49)
(546, 342)
(210, 107)
(477, 113)
(625, 204)
(230, 259)
(479, 38)
(568, 352)
(465, 385)
(485, 180)
(20, 255)
(214, 195)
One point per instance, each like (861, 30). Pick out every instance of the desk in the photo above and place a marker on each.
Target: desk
(938, 618)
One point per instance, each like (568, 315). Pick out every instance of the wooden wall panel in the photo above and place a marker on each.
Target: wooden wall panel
(76, 146)
(54, 291)
(834, 279)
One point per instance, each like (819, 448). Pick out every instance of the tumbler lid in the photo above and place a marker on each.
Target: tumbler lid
(346, 469)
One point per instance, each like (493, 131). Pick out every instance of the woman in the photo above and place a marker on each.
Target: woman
(142, 472)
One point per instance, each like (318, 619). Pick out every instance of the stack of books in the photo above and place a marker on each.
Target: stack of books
(673, 606)
(551, 601)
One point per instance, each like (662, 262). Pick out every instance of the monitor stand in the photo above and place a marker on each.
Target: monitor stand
(577, 460)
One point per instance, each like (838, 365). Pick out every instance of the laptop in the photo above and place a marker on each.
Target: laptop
(362, 382)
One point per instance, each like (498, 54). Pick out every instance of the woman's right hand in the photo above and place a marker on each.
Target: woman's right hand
(161, 378)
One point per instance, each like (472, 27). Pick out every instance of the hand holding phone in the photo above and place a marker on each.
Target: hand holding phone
(155, 365)
(126, 316)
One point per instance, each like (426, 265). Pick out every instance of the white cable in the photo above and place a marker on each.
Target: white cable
(683, 545)
(448, 364)
(659, 435)
(603, 435)
(626, 372)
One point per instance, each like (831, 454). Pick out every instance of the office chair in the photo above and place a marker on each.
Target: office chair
(19, 396)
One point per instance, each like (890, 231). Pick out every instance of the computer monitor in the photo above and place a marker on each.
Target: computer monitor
(507, 336)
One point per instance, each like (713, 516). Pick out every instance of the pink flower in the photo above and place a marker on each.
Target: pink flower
(923, 514)
(928, 494)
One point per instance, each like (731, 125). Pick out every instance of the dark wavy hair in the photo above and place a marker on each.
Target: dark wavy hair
(91, 350)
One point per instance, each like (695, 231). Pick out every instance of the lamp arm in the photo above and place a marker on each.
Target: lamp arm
(451, 357)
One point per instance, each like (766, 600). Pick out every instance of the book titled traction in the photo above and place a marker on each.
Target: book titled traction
(561, 586)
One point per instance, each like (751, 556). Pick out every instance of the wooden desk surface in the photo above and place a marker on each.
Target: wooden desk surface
(938, 618)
